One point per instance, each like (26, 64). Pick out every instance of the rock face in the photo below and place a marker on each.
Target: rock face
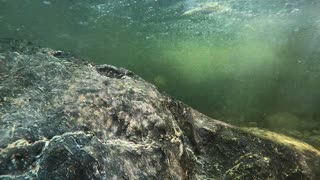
(63, 118)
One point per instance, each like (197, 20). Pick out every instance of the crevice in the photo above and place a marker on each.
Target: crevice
(114, 72)
(184, 119)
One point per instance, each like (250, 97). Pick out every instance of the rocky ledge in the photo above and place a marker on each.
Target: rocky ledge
(64, 118)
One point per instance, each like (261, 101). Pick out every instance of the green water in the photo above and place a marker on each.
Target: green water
(246, 62)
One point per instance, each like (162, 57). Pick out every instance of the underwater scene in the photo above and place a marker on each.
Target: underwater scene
(250, 63)
(160, 89)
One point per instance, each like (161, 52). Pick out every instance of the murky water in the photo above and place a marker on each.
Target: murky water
(247, 62)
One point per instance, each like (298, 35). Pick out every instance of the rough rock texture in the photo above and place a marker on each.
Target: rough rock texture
(63, 118)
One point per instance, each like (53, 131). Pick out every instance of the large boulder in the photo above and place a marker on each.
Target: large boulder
(64, 118)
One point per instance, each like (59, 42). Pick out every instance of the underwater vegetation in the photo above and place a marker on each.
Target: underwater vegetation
(247, 62)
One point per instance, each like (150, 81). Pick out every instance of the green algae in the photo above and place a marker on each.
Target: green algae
(282, 139)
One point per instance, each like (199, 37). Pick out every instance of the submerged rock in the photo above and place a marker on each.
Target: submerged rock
(279, 120)
(64, 118)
